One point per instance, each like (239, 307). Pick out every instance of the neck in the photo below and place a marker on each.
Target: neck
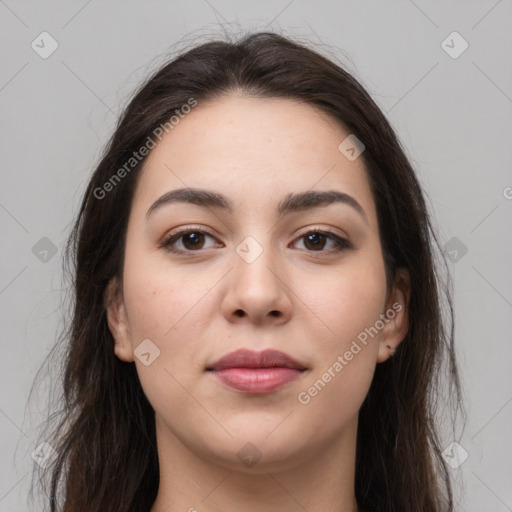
(320, 480)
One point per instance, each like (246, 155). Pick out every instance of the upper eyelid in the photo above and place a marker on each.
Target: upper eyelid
(328, 232)
(302, 232)
(185, 230)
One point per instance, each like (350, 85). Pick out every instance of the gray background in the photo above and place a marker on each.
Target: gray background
(453, 115)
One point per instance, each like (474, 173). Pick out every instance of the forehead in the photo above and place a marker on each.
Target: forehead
(254, 149)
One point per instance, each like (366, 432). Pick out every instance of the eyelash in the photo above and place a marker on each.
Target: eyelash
(167, 243)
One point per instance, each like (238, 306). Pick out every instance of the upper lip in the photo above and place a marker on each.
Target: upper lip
(245, 358)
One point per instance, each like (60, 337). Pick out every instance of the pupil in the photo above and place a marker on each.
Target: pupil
(313, 237)
(192, 239)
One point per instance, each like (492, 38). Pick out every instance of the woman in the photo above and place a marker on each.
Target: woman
(258, 318)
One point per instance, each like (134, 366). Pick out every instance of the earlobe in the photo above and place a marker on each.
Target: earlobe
(117, 320)
(397, 310)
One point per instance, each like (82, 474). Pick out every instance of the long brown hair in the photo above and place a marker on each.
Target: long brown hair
(104, 430)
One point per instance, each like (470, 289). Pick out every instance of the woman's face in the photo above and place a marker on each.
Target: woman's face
(245, 272)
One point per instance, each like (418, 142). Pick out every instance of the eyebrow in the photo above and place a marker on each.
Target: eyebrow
(289, 204)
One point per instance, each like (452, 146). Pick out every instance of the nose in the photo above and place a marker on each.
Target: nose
(257, 291)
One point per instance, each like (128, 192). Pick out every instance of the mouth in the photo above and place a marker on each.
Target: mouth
(245, 358)
(256, 372)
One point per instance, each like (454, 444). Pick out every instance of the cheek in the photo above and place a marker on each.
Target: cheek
(168, 307)
(348, 306)
(345, 302)
(158, 296)
(167, 310)
(332, 397)
(347, 346)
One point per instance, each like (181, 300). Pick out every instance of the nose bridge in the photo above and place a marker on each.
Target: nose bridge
(256, 289)
(252, 262)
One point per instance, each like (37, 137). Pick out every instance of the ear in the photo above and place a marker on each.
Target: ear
(117, 320)
(397, 308)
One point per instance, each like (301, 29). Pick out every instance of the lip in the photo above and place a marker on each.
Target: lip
(256, 372)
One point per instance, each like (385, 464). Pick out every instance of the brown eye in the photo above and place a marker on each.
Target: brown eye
(193, 240)
(317, 241)
(186, 241)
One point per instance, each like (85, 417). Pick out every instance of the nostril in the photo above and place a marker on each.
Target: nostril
(275, 313)
(239, 312)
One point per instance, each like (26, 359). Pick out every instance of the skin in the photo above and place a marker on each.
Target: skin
(308, 301)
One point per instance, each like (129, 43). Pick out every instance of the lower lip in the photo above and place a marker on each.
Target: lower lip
(257, 380)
